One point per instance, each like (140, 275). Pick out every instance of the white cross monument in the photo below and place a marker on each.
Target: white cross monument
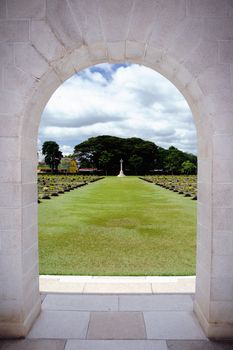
(121, 171)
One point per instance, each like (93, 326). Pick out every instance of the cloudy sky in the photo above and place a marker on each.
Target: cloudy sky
(127, 100)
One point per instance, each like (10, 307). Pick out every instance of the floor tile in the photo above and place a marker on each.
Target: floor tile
(172, 325)
(60, 325)
(31, 344)
(116, 345)
(118, 288)
(116, 325)
(198, 345)
(81, 302)
(155, 303)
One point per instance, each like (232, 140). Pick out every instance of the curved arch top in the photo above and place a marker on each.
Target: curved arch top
(81, 58)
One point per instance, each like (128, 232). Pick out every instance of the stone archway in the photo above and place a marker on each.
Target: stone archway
(42, 43)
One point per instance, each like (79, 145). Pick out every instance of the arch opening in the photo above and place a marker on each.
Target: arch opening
(126, 101)
(186, 84)
(64, 69)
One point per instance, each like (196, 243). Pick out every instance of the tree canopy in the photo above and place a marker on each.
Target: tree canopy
(53, 155)
(140, 157)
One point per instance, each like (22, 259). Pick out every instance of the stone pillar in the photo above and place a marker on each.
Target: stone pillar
(214, 285)
(19, 283)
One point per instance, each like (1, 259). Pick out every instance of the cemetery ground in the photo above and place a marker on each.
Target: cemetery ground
(118, 226)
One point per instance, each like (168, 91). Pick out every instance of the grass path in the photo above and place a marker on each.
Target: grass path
(118, 226)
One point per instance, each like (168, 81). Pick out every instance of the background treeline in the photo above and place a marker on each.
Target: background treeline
(140, 157)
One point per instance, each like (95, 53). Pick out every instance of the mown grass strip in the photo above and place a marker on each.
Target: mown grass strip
(118, 226)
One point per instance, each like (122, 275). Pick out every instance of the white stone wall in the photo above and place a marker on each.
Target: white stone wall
(42, 43)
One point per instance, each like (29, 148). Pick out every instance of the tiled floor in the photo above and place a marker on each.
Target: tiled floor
(74, 344)
(105, 317)
(117, 321)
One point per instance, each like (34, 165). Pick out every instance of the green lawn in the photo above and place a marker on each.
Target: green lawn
(118, 226)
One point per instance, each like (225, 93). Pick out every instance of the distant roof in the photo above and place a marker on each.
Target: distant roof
(87, 169)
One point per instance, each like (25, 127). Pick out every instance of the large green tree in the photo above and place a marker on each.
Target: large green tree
(136, 162)
(188, 167)
(104, 152)
(53, 155)
(104, 160)
(140, 157)
(175, 160)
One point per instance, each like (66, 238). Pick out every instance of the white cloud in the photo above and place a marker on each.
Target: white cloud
(125, 101)
(66, 149)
